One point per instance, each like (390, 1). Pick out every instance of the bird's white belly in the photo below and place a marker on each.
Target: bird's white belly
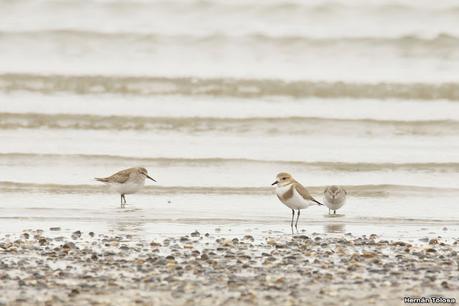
(127, 188)
(296, 201)
(334, 205)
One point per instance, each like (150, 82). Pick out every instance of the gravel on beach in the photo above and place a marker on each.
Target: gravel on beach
(213, 269)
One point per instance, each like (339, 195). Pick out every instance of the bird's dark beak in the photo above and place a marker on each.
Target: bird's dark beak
(275, 183)
(150, 178)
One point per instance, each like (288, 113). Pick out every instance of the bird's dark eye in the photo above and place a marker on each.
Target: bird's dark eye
(284, 178)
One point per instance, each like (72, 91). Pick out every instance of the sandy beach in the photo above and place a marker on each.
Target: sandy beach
(85, 268)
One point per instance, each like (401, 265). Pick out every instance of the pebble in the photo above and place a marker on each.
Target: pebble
(238, 270)
(76, 235)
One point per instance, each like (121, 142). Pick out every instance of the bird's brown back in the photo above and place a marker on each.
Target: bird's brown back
(119, 177)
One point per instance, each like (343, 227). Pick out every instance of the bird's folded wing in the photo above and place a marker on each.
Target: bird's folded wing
(305, 194)
(119, 177)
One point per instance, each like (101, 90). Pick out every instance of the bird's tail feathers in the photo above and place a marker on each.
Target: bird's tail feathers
(104, 180)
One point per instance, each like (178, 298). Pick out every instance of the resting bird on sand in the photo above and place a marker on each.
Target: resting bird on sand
(334, 198)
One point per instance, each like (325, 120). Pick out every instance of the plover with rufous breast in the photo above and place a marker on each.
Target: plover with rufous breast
(293, 195)
(334, 198)
(126, 181)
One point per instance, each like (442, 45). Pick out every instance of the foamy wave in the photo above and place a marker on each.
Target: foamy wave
(356, 191)
(241, 126)
(435, 43)
(274, 16)
(250, 88)
(18, 158)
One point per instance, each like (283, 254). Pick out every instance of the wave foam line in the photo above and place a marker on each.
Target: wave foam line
(249, 88)
(86, 159)
(202, 124)
(383, 190)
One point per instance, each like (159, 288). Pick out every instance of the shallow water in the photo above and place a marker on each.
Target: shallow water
(215, 109)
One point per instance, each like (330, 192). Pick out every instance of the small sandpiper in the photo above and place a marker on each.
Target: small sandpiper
(293, 195)
(334, 198)
(127, 181)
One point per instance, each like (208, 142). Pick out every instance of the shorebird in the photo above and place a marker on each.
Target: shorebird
(126, 181)
(293, 195)
(334, 198)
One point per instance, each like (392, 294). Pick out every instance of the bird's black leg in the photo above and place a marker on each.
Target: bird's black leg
(334, 212)
(297, 217)
(293, 217)
(121, 201)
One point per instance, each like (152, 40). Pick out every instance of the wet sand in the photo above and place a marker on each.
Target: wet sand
(54, 267)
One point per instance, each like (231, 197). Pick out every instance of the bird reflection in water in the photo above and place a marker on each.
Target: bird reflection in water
(334, 228)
